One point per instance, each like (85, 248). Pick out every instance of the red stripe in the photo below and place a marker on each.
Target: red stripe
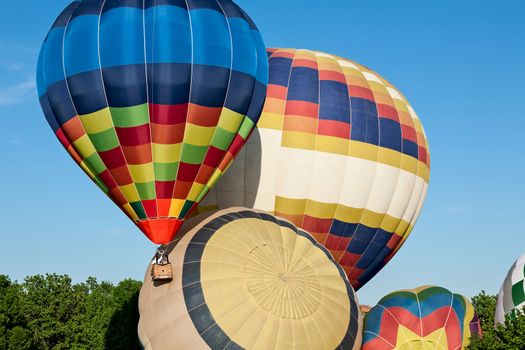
(204, 116)
(409, 133)
(312, 224)
(361, 92)
(168, 114)
(74, 129)
(167, 134)
(121, 175)
(62, 138)
(187, 172)
(150, 206)
(182, 189)
(113, 158)
(134, 136)
(334, 128)
(387, 111)
(137, 155)
(303, 108)
(305, 63)
(332, 75)
(164, 189)
(277, 91)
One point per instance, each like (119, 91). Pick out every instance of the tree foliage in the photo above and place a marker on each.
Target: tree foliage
(509, 336)
(50, 312)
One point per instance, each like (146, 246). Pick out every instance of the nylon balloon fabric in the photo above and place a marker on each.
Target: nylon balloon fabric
(511, 297)
(427, 318)
(244, 279)
(339, 152)
(153, 99)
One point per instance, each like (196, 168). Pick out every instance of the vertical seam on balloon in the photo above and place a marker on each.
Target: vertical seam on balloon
(422, 195)
(420, 315)
(281, 146)
(187, 109)
(222, 109)
(371, 266)
(76, 111)
(316, 136)
(448, 317)
(348, 158)
(147, 92)
(113, 124)
(373, 179)
(394, 317)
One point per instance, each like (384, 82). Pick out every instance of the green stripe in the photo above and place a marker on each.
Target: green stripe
(130, 116)
(139, 210)
(105, 140)
(193, 154)
(222, 139)
(146, 190)
(518, 295)
(95, 163)
(166, 171)
(246, 128)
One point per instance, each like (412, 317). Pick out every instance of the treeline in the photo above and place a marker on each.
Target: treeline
(50, 312)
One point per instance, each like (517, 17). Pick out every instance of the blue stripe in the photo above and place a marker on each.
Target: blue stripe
(120, 4)
(409, 304)
(87, 92)
(125, 86)
(390, 134)
(244, 49)
(52, 61)
(178, 3)
(209, 85)
(40, 82)
(122, 37)
(91, 7)
(343, 229)
(262, 60)
(61, 103)
(304, 85)
(48, 113)
(361, 238)
(169, 83)
(240, 92)
(212, 38)
(334, 102)
(410, 148)
(168, 36)
(81, 45)
(280, 71)
(257, 104)
(204, 4)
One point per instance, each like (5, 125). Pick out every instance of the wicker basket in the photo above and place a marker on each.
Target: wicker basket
(162, 272)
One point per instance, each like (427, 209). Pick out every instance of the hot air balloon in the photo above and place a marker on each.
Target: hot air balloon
(339, 152)
(245, 279)
(153, 99)
(511, 296)
(427, 318)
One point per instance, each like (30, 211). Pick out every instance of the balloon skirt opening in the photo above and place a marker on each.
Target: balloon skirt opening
(160, 231)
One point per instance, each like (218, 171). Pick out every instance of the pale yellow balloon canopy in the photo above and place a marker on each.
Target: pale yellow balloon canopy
(245, 279)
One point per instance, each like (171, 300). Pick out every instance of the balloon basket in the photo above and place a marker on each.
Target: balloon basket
(162, 273)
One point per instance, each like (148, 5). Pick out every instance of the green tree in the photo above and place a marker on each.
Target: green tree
(509, 336)
(13, 326)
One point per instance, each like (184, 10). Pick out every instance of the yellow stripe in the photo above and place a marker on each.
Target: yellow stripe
(128, 209)
(142, 173)
(230, 120)
(84, 146)
(97, 122)
(216, 176)
(176, 207)
(196, 135)
(195, 191)
(357, 149)
(342, 213)
(274, 121)
(166, 153)
(130, 193)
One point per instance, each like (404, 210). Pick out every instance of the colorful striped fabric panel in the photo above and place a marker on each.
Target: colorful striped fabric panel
(153, 98)
(424, 318)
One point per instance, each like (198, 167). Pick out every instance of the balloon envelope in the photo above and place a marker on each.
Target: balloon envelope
(427, 318)
(153, 99)
(247, 280)
(339, 152)
(512, 293)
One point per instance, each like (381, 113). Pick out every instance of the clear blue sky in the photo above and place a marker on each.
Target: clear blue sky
(460, 63)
